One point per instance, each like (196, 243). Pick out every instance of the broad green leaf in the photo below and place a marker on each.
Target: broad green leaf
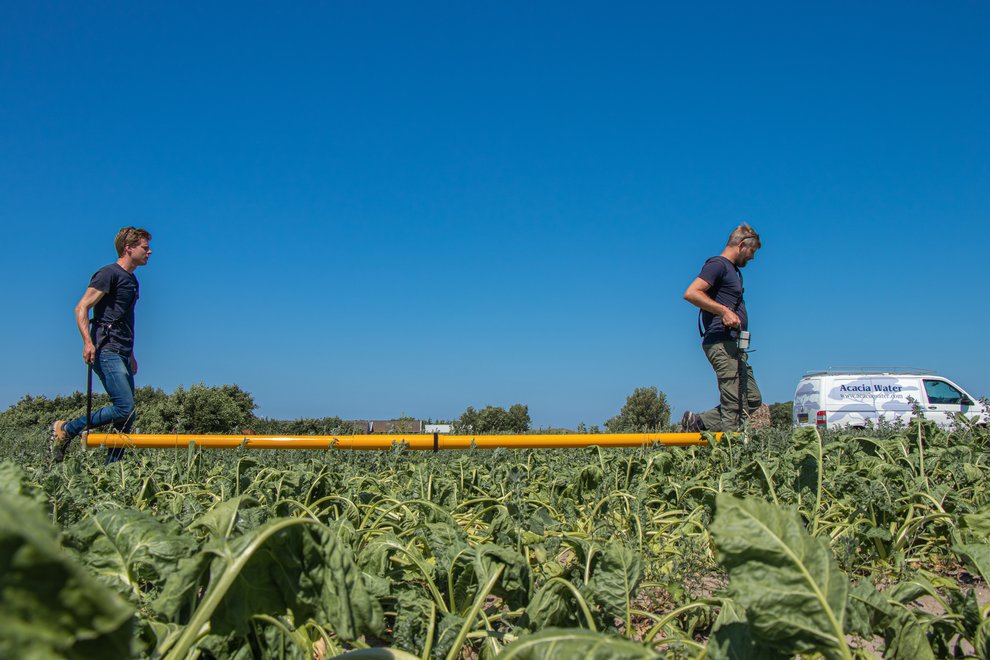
(616, 576)
(982, 640)
(871, 614)
(913, 589)
(14, 481)
(221, 520)
(266, 583)
(306, 572)
(789, 583)
(967, 605)
(905, 638)
(732, 638)
(446, 634)
(513, 586)
(51, 607)
(178, 595)
(977, 555)
(554, 643)
(553, 605)
(246, 578)
(129, 547)
(412, 620)
(867, 610)
(344, 600)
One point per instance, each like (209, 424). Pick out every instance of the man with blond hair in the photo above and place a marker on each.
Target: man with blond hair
(108, 339)
(718, 293)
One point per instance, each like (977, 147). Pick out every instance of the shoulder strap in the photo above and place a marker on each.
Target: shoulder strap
(742, 288)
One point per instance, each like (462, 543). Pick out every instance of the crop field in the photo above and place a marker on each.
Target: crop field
(874, 544)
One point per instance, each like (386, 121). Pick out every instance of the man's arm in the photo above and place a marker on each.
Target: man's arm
(697, 295)
(90, 298)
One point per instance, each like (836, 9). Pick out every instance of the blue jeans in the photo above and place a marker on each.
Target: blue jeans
(115, 373)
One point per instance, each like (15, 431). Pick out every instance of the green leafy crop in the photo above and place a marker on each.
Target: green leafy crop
(781, 545)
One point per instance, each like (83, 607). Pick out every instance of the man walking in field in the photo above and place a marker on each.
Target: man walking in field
(718, 293)
(108, 339)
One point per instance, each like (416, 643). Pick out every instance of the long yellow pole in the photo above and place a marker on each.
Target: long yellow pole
(417, 441)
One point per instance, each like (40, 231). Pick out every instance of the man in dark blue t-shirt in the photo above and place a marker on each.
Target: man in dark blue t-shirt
(108, 339)
(718, 293)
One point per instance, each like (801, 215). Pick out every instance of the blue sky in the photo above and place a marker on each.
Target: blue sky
(375, 209)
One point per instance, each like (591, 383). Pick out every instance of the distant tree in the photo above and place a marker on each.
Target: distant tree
(306, 426)
(519, 418)
(646, 409)
(492, 419)
(782, 414)
(199, 409)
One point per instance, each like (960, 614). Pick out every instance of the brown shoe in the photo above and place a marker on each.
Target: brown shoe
(60, 441)
(58, 430)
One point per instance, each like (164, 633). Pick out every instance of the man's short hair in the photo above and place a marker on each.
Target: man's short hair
(743, 233)
(129, 237)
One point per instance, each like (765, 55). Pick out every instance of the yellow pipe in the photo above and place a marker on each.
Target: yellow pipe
(418, 441)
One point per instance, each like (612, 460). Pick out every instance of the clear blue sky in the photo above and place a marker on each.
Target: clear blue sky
(370, 209)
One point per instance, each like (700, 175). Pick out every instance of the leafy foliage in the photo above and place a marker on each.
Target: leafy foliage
(52, 606)
(790, 543)
(492, 419)
(782, 414)
(646, 409)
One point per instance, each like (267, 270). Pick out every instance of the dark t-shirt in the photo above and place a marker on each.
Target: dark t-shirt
(115, 310)
(726, 289)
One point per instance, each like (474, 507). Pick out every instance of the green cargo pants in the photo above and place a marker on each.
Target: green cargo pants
(725, 357)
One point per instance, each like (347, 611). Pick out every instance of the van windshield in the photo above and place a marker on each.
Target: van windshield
(939, 391)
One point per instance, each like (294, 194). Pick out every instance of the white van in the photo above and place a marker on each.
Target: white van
(855, 398)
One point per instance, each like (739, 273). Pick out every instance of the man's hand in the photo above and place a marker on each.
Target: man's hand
(89, 352)
(697, 295)
(133, 364)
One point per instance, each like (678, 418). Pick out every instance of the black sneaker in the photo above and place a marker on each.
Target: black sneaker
(691, 423)
(59, 448)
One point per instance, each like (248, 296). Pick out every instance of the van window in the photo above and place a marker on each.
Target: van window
(941, 392)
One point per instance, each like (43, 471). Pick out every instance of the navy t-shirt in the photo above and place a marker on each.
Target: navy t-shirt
(726, 289)
(115, 310)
